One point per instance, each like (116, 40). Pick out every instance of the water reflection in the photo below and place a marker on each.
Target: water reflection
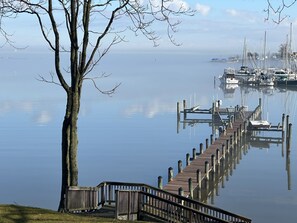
(210, 189)
(224, 170)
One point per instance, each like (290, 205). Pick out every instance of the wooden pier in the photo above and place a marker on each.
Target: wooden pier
(209, 159)
(203, 171)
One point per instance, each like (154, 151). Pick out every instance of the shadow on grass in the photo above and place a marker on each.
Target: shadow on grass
(15, 214)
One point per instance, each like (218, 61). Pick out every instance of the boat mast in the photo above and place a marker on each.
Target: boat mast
(244, 53)
(264, 52)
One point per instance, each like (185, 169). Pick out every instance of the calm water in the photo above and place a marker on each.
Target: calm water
(132, 136)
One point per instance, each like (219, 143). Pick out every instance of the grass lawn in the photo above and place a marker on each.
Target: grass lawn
(21, 214)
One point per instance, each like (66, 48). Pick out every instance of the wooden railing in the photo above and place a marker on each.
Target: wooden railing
(144, 200)
(153, 197)
(170, 211)
(81, 198)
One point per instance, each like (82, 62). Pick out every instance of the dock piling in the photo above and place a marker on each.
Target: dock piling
(180, 166)
(170, 174)
(207, 170)
(187, 159)
(194, 153)
(198, 173)
(191, 190)
(160, 182)
(201, 148)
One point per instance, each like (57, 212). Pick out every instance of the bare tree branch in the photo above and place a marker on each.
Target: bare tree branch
(51, 81)
(107, 92)
(278, 10)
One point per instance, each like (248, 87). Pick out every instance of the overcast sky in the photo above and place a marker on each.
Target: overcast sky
(219, 25)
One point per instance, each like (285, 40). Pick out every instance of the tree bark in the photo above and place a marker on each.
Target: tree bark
(69, 145)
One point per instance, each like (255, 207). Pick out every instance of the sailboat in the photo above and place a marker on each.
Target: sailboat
(265, 78)
(284, 77)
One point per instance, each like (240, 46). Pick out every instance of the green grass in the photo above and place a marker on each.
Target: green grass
(21, 214)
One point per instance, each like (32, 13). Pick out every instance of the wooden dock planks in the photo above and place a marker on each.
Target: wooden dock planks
(181, 180)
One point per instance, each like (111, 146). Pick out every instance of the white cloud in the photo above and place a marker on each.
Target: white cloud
(177, 5)
(232, 12)
(203, 9)
(244, 16)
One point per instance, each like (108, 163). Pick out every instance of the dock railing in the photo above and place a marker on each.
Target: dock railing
(151, 201)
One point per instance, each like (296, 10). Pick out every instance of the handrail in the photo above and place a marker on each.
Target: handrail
(106, 193)
(156, 206)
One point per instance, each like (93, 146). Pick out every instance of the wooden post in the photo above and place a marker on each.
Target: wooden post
(178, 111)
(160, 182)
(180, 191)
(198, 172)
(244, 126)
(287, 126)
(180, 166)
(231, 141)
(227, 145)
(211, 139)
(194, 153)
(289, 138)
(187, 159)
(260, 102)
(206, 170)
(234, 137)
(170, 174)
(201, 148)
(206, 143)
(191, 190)
(185, 107)
(283, 127)
(213, 163)
(223, 151)
(218, 155)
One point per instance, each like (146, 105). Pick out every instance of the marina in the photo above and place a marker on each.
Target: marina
(139, 141)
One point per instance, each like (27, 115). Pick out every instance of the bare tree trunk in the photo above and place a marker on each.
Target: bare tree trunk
(69, 146)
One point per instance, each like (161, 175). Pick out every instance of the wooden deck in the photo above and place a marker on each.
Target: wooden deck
(191, 176)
